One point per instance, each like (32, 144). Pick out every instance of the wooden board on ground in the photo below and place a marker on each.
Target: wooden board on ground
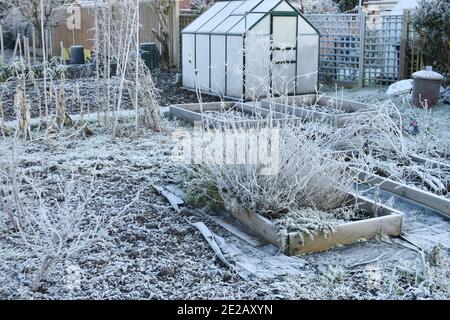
(234, 229)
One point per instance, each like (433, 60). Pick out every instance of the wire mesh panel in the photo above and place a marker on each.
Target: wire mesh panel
(339, 46)
(382, 46)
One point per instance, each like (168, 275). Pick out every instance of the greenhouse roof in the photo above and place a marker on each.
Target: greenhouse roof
(231, 17)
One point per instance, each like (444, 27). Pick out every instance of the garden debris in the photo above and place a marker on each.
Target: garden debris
(173, 199)
(209, 236)
(400, 87)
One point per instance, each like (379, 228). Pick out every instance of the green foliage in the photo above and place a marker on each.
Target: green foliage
(202, 189)
(432, 24)
(19, 69)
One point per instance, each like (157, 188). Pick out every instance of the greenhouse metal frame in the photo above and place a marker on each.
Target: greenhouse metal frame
(249, 49)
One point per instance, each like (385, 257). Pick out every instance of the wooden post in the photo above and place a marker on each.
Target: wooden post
(362, 35)
(16, 45)
(45, 44)
(50, 42)
(61, 47)
(1, 42)
(26, 46)
(176, 33)
(19, 47)
(403, 46)
(33, 35)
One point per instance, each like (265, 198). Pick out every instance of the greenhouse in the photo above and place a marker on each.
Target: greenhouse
(250, 49)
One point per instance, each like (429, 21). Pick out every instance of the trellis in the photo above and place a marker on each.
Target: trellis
(357, 49)
(383, 47)
(340, 44)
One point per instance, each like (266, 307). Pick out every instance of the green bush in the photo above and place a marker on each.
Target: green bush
(432, 24)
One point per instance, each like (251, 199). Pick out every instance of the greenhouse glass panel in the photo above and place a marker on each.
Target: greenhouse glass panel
(308, 63)
(235, 65)
(218, 18)
(227, 24)
(188, 60)
(218, 64)
(205, 17)
(266, 6)
(202, 61)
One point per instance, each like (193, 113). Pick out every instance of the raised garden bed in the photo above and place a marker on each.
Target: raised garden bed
(229, 114)
(426, 198)
(381, 220)
(313, 107)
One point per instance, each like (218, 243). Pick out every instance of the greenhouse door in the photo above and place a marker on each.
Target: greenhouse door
(284, 52)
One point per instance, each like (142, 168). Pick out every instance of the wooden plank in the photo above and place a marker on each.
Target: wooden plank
(260, 226)
(343, 104)
(33, 37)
(403, 47)
(191, 113)
(232, 228)
(308, 114)
(323, 100)
(420, 196)
(433, 163)
(176, 34)
(362, 35)
(347, 233)
(387, 221)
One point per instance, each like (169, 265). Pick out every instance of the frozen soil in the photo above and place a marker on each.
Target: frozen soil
(150, 251)
(165, 81)
(171, 93)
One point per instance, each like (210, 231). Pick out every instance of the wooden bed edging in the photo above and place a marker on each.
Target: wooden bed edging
(390, 222)
(308, 114)
(191, 114)
(425, 198)
(339, 120)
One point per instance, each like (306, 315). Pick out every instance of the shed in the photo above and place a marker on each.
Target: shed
(249, 49)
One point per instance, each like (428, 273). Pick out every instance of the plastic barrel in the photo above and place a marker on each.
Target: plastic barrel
(426, 87)
(150, 55)
(77, 54)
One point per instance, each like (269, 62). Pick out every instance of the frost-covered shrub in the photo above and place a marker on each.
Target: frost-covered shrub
(314, 6)
(432, 24)
(201, 5)
(303, 173)
(310, 169)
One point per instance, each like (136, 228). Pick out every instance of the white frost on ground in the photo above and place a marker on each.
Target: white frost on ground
(152, 252)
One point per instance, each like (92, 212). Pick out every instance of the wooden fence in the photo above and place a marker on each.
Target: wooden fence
(148, 19)
(355, 51)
